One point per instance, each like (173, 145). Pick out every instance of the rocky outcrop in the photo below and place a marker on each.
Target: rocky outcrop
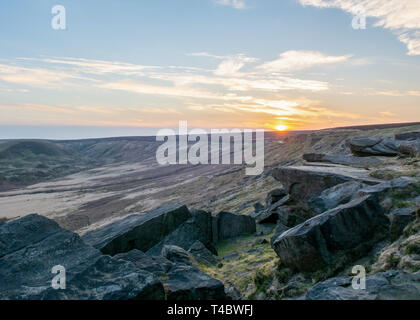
(33, 245)
(321, 239)
(197, 228)
(187, 282)
(374, 147)
(229, 225)
(306, 182)
(342, 159)
(333, 197)
(140, 232)
(384, 189)
(390, 285)
(409, 136)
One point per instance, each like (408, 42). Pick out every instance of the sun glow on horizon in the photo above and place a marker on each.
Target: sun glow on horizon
(281, 127)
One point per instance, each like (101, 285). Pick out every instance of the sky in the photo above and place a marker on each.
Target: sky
(129, 67)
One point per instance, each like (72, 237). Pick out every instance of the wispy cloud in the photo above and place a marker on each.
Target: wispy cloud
(36, 77)
(299, 60)
(400, 16)
(237, 4)
(237, 89)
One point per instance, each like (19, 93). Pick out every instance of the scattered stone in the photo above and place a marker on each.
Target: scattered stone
(318, 241)
(391, 285)
(231, 256)
(256, 250)
(140, 232)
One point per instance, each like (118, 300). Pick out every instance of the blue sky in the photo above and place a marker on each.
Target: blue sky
(215, 63)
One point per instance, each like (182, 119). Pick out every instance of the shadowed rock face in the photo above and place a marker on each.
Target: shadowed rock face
(333, 197)
(33, 245)
(138, 231)
(199, 227)
(316, 242)
(229, 225)
(110, 279)
(389, 285)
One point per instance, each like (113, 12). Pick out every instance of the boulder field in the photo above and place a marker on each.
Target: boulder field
(331, 212)
(139, 257)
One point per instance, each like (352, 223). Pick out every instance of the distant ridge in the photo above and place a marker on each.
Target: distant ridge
(378, 126)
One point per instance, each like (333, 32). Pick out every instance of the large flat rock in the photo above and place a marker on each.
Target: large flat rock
(137, 231)
(305, 182)
(318, 241)
(343, 160)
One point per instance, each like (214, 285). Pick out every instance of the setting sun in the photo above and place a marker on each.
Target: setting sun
(281, 127)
